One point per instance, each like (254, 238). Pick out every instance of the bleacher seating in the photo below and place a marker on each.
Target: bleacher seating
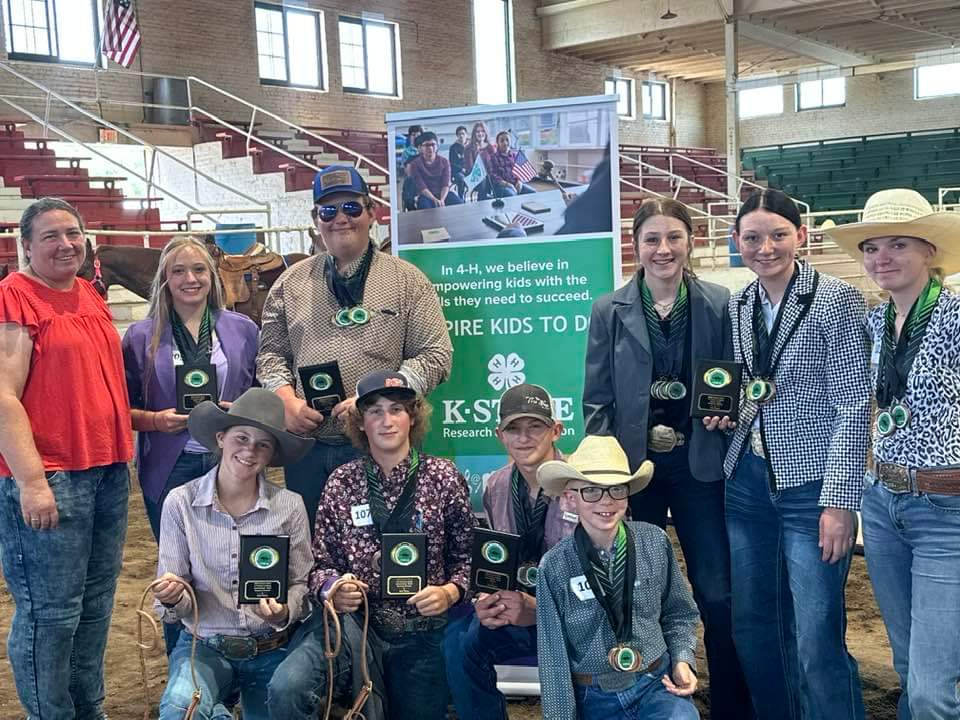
(840, 174)
(29, 169)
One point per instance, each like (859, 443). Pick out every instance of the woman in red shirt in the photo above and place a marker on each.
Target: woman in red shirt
(65, 442)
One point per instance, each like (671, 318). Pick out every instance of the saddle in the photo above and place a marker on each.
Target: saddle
(240, 273)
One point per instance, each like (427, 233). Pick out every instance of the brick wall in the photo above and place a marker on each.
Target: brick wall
(201, 38)
(881, 103)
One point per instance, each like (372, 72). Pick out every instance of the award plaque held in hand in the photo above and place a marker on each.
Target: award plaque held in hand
(196, 383)
(496, 556)
(263, 568)
(716, 389)
(322, 386)
(403, 564)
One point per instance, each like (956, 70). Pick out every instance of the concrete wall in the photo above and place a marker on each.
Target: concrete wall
(202, 38)
(881, 103)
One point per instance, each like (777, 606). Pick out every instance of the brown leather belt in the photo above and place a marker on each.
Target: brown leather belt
(589, 678)
(901, 479)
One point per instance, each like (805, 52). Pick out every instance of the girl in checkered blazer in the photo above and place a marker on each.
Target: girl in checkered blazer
(794, 469)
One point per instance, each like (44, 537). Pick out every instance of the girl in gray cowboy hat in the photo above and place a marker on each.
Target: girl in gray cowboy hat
(238, 645)
(911, 500)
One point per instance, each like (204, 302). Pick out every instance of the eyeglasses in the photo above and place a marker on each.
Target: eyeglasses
(593, 493)
(350, 208)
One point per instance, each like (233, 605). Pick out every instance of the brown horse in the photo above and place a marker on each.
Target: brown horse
(134, 268)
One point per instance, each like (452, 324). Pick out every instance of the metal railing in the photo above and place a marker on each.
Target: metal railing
(49, 94)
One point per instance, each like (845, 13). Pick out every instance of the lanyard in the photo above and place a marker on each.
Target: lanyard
(897, 355)
(667, 348)
(193, 351)
(624, 574)
(397, 521)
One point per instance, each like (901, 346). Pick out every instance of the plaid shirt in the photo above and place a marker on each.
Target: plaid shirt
(500, 166)
(406, 332)
(816, 427)
(575, 634)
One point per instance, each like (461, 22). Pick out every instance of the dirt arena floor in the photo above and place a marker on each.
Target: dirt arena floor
(125, 695)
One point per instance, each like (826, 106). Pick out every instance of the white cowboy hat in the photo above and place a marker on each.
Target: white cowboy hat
(257, 408)
(903, 213)
(598, 460)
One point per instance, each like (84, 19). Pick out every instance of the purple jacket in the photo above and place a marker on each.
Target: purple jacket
(157, 452)
(498, 504)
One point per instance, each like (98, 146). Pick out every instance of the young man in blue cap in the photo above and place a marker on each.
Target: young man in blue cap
(505, 624)
(351, 304)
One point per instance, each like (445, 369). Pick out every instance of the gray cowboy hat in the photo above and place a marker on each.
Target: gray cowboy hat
(257, 408)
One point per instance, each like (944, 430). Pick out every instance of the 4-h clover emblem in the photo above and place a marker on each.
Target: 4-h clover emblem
(505, 372)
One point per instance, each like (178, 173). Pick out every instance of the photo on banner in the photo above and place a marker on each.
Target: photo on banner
(512, 213)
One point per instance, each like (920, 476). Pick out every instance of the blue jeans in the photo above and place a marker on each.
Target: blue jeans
(187, 467)
(220, 679)
(63, 582)
(452, 199)
(789, 616)
(912, 544)
(646, 699)
(308, 476)
(406, 669)
(698, 516)
(471, 651)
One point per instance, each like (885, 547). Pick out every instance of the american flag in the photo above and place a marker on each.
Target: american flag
(522, 169)
(121, 36)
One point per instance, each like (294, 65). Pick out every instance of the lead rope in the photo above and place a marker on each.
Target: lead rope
(331, 650)
(141, 615)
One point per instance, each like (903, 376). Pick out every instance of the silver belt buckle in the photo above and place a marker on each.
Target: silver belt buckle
(659, 436)
(237, 648)
(756, 444)
(390, 620)
(894, 477)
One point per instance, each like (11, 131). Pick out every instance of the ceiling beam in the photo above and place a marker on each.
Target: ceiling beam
(801, 45)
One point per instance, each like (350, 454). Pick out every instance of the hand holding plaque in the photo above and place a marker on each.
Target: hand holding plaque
(495, 560)
(263, 568)
(322, 386)
(716, 389)
(196, 383)
(403, 564)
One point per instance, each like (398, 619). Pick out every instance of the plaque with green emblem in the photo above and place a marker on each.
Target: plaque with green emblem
(716, 389)
(496, 557)
(263, 568)
(403, 564)
(322, 386)
(196, 383)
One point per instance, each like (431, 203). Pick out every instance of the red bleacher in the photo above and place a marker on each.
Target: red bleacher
(30, 164)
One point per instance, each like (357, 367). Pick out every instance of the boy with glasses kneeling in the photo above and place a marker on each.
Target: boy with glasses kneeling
(617, 621)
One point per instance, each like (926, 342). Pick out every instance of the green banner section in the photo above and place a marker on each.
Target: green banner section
(516, 313)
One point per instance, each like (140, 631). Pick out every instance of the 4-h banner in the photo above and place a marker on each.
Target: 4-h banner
(516, 271)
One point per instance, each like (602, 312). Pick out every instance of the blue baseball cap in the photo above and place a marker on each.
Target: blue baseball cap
(336, 179)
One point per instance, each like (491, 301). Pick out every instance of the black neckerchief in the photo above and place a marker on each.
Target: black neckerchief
(193, 351)
(620, 618)
(667, 335)
(399, 520)
(897, 355)
(764, 362)
(348, 290)
(530, 519)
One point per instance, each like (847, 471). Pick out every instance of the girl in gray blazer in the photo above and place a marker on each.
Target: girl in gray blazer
(644, 342)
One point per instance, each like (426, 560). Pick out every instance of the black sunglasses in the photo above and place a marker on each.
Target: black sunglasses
(350, 208)
(593, 493)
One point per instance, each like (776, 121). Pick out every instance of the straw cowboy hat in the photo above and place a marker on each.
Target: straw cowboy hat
(903, 213)
(598, 460)
(257, 408)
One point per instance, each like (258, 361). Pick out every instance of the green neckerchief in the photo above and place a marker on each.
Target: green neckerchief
(897, 355)
(193, 351)
(667, 346)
